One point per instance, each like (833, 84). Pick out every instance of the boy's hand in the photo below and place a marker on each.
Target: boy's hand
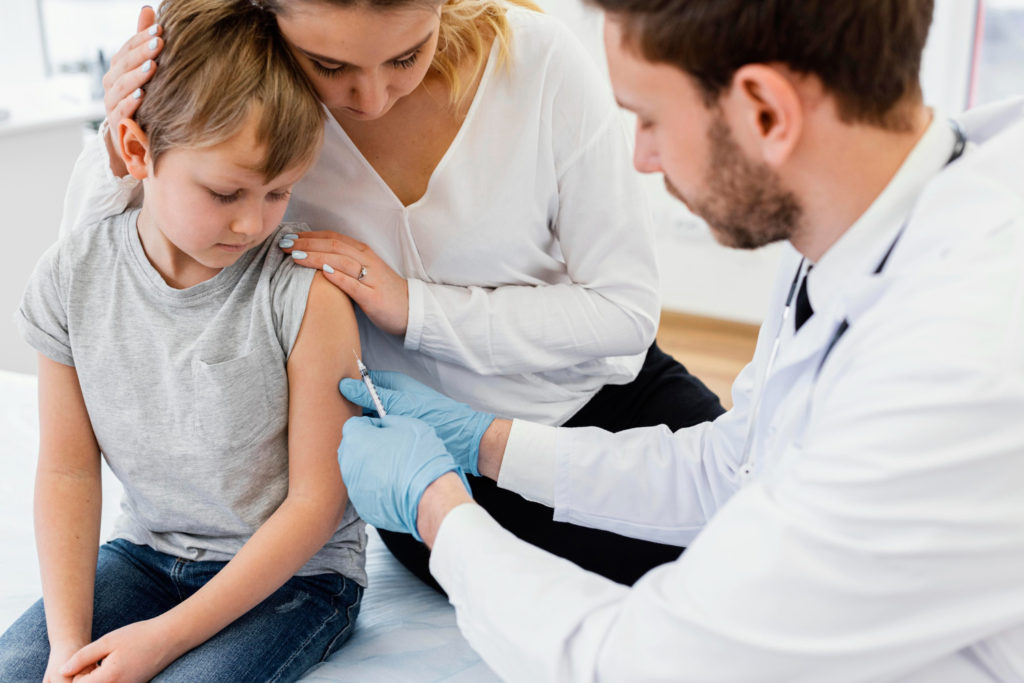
(59, 654)
(136, 652)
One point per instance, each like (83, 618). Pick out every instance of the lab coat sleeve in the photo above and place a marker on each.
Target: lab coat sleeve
(896, 541)
(609, 303)
(94, 193)
(594, 478)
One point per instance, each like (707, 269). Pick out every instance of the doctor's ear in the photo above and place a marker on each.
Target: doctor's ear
(134, 148)
(765, 110)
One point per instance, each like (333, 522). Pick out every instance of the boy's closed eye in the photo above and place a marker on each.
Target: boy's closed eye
(227, 198)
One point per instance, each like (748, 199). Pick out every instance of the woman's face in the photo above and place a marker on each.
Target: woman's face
(361, 60)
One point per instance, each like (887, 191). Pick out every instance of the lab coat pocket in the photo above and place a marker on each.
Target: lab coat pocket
(230, 401)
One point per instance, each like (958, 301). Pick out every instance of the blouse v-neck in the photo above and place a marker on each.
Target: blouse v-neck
(439, 168)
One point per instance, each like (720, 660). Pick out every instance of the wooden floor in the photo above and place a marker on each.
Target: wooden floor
(713, 350)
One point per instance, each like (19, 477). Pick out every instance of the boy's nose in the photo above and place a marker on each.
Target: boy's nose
(248, 223)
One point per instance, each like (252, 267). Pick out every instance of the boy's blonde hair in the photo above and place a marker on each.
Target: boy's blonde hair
(222, 61)
(465, 26)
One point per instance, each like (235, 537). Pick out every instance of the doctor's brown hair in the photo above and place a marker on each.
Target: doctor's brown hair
(222, 61)
(866, 53)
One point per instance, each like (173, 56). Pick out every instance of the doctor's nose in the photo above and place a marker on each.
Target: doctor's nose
(645, 154)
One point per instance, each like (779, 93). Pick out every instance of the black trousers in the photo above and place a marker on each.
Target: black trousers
(663, 393)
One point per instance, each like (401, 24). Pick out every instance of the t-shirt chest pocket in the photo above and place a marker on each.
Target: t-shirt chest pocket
(232, 406)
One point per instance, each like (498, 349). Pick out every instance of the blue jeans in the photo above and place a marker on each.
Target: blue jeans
(301, 624)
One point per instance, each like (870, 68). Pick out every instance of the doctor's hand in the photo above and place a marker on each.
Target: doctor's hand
(459, 426)
(130, 69)
(386, 464)
(355, 269)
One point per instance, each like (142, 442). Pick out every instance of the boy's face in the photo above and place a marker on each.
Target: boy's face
(205, 207)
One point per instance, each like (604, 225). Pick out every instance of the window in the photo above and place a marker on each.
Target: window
(999, 52)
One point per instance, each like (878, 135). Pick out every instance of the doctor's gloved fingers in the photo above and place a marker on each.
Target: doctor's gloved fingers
(355, 391)
(389, 379)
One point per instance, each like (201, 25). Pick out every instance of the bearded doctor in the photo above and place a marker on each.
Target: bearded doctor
(859, 514)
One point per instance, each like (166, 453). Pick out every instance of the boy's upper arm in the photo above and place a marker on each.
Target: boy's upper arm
(66, 439)
(321, 357)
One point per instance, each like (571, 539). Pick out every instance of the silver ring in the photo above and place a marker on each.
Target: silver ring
(362, 273)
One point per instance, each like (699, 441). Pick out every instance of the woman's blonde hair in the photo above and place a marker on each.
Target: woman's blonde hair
(222, 61)
(466, 26)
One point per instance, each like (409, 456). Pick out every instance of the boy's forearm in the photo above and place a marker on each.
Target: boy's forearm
(273, 555)
(67, 524)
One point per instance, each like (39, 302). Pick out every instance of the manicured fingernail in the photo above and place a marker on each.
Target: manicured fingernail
(327, 268)
(299, 255)
(153, 29)
(291, 236)
(137, 94)
(147, 65)
(284, 244)
(153, 43)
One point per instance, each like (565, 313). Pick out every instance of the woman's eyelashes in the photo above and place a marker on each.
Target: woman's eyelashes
(406, 62)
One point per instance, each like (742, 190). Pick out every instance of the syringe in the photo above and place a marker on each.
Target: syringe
(365, 374)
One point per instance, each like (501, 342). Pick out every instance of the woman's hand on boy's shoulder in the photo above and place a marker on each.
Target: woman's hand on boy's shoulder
(354, 268)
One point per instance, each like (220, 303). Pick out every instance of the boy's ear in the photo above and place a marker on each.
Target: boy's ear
(134, 148)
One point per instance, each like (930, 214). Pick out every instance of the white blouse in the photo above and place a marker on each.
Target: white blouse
(530, 258)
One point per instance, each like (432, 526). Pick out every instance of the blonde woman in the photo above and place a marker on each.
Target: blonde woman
(474, 198)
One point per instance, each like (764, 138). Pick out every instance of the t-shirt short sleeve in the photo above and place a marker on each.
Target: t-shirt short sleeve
(42, 318)
(289, 291)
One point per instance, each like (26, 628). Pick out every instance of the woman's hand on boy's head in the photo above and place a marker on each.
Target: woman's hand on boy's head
(130, 69)
(355, 269)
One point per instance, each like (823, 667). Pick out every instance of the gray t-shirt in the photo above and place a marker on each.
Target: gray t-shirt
(186, 388)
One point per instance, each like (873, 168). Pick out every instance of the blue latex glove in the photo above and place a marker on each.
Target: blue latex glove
(458, 425)
(387, 463)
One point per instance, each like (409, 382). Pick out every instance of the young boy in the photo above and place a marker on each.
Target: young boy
(182, 344)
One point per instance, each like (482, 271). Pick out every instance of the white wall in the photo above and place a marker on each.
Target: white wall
(35, 165)
(21, 53)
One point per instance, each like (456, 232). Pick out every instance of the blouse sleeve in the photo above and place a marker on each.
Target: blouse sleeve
(609, 304)
(94, 193)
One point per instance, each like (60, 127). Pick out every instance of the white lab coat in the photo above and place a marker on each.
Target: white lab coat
(880, 535)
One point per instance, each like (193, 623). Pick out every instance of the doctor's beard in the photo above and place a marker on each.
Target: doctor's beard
(746, 206)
